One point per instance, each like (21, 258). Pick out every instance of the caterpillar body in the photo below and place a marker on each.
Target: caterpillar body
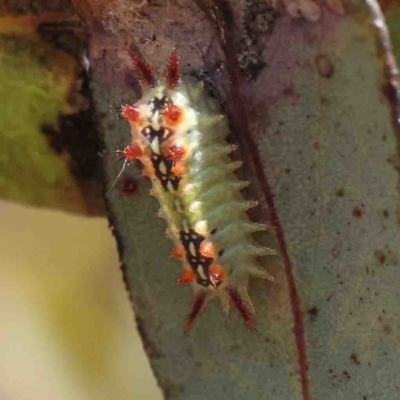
(185, 155)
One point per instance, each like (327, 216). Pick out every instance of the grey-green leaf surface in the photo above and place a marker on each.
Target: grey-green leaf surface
(307, 104)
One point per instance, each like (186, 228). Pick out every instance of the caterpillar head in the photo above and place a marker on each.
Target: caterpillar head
(164, 108)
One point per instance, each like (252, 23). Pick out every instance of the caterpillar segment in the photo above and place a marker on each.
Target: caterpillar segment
(184, 153)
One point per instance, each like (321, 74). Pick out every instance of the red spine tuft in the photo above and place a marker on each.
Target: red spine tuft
(175, 152)
(173, 115)
(178, 252)
(207, 249)
(241, 307)
(198, 306)
(132, 152)
(131, 113)
(187, 276)
(217, 274)
(172, 76)
(179, 170)
(144, 71)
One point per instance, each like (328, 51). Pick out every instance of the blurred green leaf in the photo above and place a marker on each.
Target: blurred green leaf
(37, 83)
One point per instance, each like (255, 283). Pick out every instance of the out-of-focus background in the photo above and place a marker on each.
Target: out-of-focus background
(67, 326)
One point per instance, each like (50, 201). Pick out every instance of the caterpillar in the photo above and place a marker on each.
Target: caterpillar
(185, 154)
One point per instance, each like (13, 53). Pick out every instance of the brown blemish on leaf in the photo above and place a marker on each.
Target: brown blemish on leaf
(357, 212)
(354, 359)
(313, 313)
(395, 161)
(340, 192)
(316, 146)
(380, 256)
(385, 214)
(387, 329)
(288, 90)
(324, 66)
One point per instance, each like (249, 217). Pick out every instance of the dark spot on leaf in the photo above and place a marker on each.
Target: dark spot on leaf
(385, 213)
(357, 212)
(128, 186)
(313, 313)
(81, 136)
(354, 359)
(316, 146)
(340, 192)
(346, 375)
(78, 133)
(288, 90)
(287, 170)
(324, 66)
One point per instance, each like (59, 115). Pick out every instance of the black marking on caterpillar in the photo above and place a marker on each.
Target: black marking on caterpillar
(182, 147)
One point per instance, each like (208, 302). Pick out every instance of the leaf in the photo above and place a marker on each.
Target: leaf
(37, 83)
(307, 104)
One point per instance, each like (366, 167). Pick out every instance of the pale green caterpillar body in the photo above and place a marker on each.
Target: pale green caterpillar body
(186, 156)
